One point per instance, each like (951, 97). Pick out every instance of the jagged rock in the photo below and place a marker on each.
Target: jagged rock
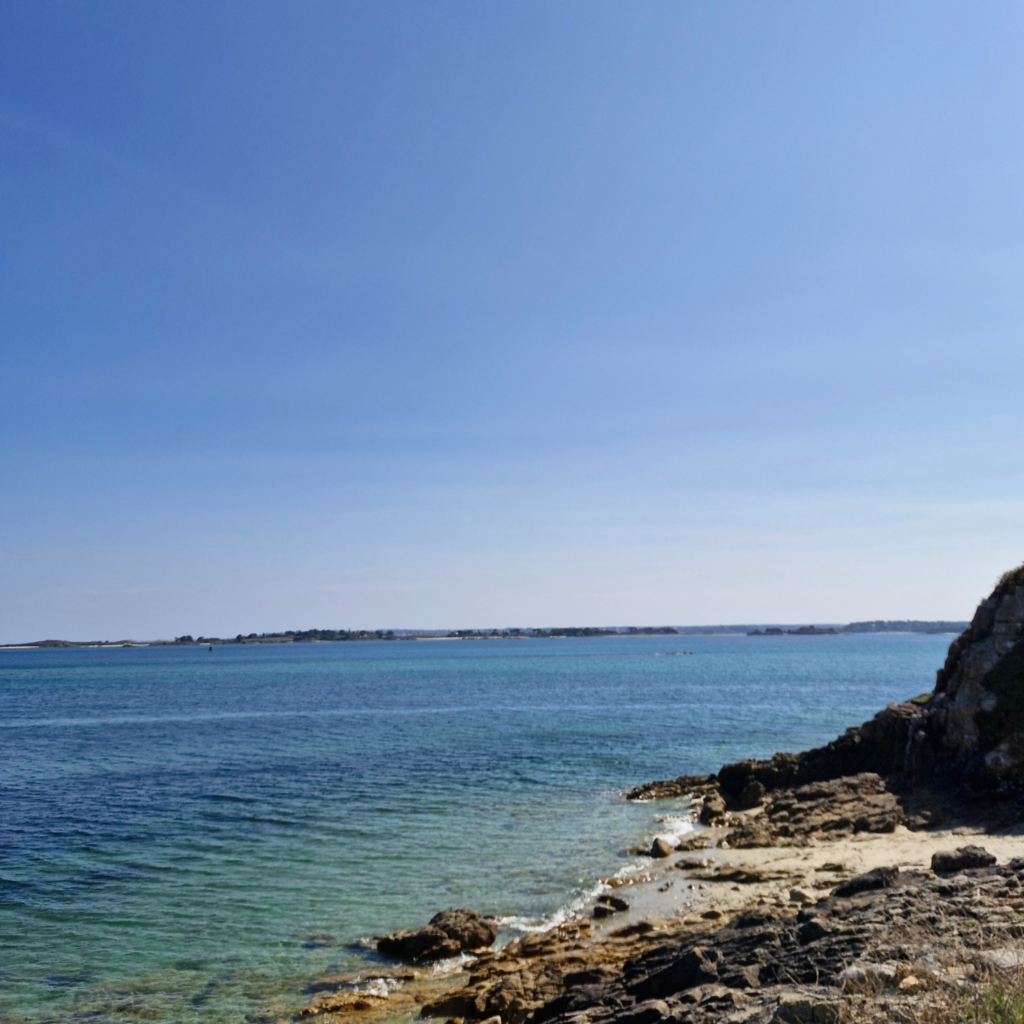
(812, 930)
(751, 835)
(1008, 958)
(449, 933)
(880, 878)
(342, 1002)
(685, 785)
(423, 945)
(865, 976)
(696, 967)
(832, 808)
(713, 809)
(608, 905)
(643, 1013)
(753, 795)
(964, 858)
(590, 976)
(973, 729)
(693, 843)
(799, 1009)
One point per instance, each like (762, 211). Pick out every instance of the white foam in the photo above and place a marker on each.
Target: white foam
(673, 827)
(453, 965)
(382, 987)
(519, 925)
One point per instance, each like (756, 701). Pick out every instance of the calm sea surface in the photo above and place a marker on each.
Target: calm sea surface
(189, 835)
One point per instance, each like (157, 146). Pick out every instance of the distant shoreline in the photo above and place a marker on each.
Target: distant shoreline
(938, 626)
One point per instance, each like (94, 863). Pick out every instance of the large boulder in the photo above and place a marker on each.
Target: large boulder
(449, 933)
(963, 859)
(421, 946)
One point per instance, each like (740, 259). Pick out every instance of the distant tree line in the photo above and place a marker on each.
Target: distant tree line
(906, 626)
(481, 634)
(295, 636)
(333, 635)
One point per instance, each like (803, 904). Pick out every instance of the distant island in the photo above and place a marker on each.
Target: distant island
(799, 631)
(305, 636)
(875, 626)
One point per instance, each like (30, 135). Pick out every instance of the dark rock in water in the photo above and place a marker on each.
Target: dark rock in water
(449, 933)
(965, 858)
(880, 878)
(424, 945)
(616, 902)
(694, 843)
(661, 848)
(685, 785)
(469, 928)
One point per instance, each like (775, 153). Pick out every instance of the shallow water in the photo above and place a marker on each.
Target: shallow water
(190, 835)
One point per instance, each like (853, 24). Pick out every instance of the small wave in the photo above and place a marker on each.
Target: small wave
(671, 827)
(453, 965)
(674, 827)
(374, 986)
(516, 924)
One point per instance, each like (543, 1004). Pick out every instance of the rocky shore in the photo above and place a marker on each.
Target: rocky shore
(880, 877)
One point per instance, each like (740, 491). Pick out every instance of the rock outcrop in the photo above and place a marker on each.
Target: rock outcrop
(967, 737)
(972, 730)
(448, 934)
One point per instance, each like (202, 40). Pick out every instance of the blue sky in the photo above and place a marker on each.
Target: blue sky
(460, 314)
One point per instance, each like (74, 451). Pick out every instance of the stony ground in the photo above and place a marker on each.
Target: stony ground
(778, 925)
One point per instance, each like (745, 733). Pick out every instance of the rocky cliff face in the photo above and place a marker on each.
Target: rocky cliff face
(972, 730)
(968, 736)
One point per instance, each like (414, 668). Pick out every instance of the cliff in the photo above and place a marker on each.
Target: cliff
(936, 752)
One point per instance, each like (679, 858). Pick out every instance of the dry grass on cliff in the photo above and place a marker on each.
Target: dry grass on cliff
(979, 1002)
(1013, 578)
(970, 990)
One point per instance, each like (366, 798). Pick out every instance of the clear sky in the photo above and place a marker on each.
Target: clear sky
(471, 314)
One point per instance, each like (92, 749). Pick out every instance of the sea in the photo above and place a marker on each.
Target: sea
(195, 835)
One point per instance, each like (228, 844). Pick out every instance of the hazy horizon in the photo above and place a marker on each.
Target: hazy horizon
(574, 313)
(404, 631)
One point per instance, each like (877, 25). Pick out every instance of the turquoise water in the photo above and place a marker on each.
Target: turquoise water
(189, 835)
